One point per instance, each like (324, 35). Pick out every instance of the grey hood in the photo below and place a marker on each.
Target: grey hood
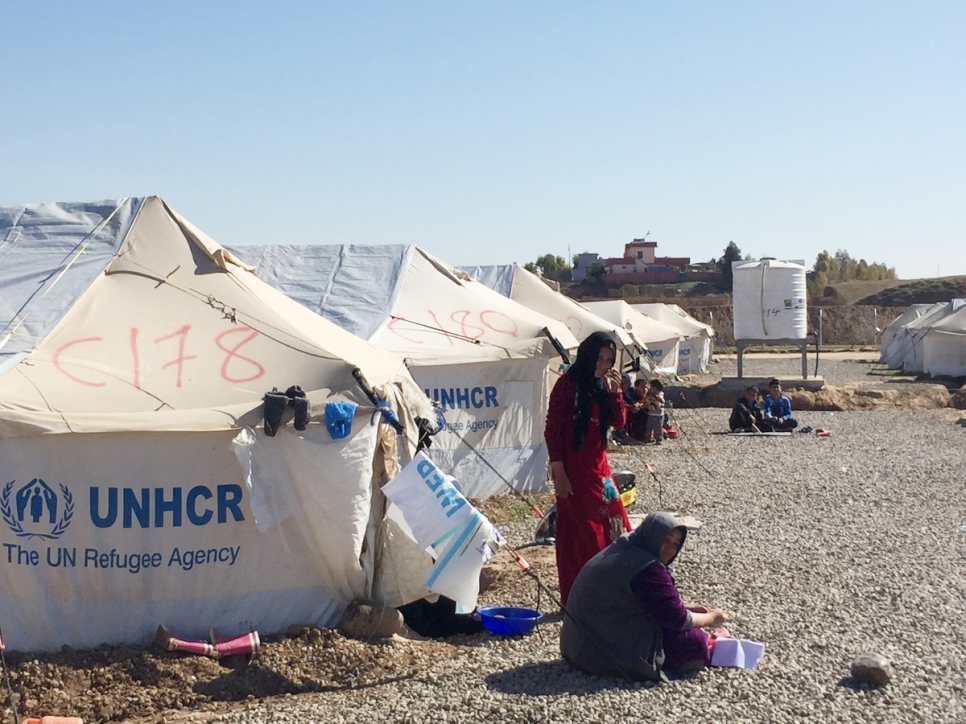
(650, 535)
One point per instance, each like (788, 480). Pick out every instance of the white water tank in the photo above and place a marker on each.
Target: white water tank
(769, 300)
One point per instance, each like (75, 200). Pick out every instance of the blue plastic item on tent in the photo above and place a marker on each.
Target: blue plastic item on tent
(338, 418)
(509, 620)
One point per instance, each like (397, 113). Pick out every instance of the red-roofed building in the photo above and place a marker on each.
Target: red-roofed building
(640, 258)
(640, 250)
(639, 265)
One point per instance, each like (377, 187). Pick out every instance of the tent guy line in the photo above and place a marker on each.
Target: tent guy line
(533, 506)
(440, 330)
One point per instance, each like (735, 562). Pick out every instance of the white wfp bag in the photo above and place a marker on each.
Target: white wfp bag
(441, 518)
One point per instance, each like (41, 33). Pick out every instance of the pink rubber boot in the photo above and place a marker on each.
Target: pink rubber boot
(166, 641)
(244, 645)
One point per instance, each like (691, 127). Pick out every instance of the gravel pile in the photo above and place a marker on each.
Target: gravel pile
(820, 547)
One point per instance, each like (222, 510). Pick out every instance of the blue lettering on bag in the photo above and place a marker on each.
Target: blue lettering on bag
(446, 493)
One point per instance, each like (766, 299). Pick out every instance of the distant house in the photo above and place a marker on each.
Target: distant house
(641, 251)
(584, 262)
(639, 265)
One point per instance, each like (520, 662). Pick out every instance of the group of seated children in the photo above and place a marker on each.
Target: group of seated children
(774, 414)
(645, 410)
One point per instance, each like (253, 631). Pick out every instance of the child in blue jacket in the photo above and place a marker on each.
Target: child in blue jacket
(777, 410)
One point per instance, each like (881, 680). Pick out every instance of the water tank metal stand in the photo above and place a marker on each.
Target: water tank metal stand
(802, 344)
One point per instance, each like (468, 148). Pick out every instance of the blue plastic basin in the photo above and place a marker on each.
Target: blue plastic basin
(509, 620)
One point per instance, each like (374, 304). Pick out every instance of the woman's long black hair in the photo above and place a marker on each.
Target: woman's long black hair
(589, 388)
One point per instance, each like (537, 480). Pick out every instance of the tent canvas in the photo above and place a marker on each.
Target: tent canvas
(906, 349)
(132, 490)
(531, 291)
(909, 314)
(486, 359)
(698, 338)
(944, 346)
(663, 342)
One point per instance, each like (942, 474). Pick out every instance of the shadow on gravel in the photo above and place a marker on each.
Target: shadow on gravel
(246, 680)
(849, 683)
(551, 678)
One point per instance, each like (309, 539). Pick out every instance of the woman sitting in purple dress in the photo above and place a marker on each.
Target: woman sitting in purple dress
(624, 615)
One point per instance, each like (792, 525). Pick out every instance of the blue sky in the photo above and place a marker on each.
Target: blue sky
(496, 132)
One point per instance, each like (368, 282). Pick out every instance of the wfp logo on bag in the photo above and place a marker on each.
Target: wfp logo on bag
(36, 510)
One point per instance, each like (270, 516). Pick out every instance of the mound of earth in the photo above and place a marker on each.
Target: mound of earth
(119, 682)
(921, 291)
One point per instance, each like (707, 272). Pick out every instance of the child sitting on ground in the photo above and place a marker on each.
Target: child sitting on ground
(637, 413)
(632, 401)
(777, 410)
(655, 411)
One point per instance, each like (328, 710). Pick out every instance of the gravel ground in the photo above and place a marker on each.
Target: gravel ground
(819, 547)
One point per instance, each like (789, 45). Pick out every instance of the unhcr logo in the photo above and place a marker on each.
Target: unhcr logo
(36, 510)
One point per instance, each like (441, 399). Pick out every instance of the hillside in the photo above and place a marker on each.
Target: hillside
(919, 291)
(852, 292)
(883, 293)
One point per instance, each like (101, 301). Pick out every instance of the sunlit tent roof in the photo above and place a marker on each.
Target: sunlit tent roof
(406, 300)
(697, 336)
(531, 291)
(485, 358)
(662, 341)
(90, 291)
(136, 353)
(673, 316)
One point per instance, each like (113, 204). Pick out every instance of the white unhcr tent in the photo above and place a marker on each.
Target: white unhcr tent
(486, 359)
(698, 338)
(663, 343)
(944, 346)
(134, 489)
(531, 291)
(906, 349)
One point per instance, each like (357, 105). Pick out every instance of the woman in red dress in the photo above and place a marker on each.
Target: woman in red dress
(585, 401)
